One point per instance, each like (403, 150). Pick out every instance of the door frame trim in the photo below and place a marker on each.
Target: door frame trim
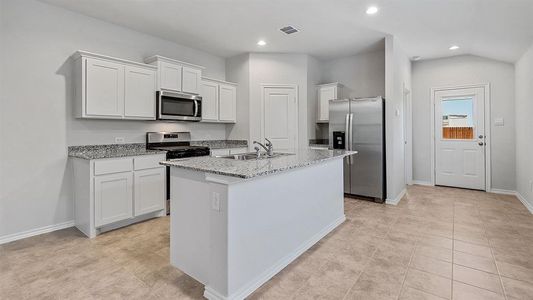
(487, 88)
(297, 103)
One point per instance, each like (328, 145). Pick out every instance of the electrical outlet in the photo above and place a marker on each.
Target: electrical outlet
(215, 202)
(119, 140)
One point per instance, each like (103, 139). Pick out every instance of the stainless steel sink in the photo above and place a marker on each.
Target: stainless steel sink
(253, 156)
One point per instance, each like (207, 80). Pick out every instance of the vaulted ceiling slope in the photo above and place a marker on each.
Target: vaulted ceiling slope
(498, 29)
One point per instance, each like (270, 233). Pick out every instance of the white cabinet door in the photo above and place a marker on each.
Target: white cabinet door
(227, 103)
(209, 95)
(149, 191)
(139, 92)
(113, 198)
(324, 95)
(170, 76)
(191, 80)
(104, 90)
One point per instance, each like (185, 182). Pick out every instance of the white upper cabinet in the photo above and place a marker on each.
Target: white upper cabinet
(104, 88)
(113, 88)
(191, 80)
(175, 75)
(219, 101)
(209, 93)
(140, 86)
(170, 76)
(227, 103)
(326, 92)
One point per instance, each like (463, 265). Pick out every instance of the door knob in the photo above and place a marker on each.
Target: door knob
(481, 143)
(480, 136)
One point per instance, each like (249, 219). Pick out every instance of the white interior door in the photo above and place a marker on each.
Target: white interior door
(460, 138)
(280, 123)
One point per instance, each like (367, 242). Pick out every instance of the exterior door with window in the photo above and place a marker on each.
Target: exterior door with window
(280, 124)
(460, 138)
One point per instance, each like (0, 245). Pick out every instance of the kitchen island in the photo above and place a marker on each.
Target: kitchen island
(236, 223)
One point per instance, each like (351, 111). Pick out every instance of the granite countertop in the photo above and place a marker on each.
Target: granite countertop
(221, 144)
(110, 151)
(254, 168)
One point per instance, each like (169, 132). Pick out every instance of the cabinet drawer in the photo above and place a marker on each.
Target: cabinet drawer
(108, 166)
(148, 162)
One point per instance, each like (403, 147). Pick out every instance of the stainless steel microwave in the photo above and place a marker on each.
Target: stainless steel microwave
(178, 106)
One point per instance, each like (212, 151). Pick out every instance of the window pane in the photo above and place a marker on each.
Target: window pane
(457, 119)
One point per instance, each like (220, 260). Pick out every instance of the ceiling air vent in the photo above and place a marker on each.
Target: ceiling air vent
(289, 30)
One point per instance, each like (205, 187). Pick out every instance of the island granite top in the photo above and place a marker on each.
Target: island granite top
(254, 168)
(110, 151)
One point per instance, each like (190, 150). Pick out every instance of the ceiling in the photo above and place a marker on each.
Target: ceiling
(498, 29)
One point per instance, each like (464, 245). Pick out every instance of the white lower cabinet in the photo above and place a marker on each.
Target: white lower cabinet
(149, 190)
(113, 198)
(116, 192)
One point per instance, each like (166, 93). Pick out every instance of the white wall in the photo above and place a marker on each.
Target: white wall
(36, 120)
(397, 76)
(461, 70)
(524, 126)
(362, 75)
(278, 69)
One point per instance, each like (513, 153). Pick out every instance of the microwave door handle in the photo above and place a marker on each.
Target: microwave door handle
(196, 108)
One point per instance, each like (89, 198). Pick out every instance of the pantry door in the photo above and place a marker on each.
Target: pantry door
(279, 116)
(460, 148)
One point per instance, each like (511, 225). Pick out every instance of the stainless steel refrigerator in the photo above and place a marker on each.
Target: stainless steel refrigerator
(359, 125)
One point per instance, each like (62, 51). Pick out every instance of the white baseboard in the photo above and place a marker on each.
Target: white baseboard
(33, 232)
(522, 199)
(211, 294)
(396, 200)
(421, 182)
(503, 192)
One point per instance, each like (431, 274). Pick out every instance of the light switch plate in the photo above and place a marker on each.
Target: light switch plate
(499, 122)
(119, 140)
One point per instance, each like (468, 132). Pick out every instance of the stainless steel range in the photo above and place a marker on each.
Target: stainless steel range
(177, 145)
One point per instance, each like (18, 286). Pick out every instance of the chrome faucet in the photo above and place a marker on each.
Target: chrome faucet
(268, 148)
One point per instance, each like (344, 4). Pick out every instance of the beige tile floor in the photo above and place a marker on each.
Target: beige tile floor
(438, 243)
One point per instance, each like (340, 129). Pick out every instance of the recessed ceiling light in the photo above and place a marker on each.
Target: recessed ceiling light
(416, 57)
(371, 10)
(261, 43)
(454, 47)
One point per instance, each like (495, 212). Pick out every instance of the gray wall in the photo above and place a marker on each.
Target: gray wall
(461, 70)
(273, 68)
(314, 77)
(524, 126)
(362, 75)
(36, 123)
(238, 70)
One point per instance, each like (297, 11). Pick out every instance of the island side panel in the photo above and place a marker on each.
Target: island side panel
(189, 223)
(270, 221)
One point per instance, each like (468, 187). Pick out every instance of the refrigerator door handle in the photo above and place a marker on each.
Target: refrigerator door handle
(351, 138)
(346, 131)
